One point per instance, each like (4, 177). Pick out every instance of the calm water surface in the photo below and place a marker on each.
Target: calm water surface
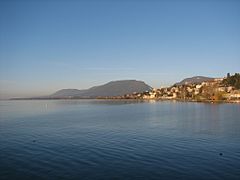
(96, 139)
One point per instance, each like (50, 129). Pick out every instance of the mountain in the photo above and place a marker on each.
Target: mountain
(113, 88)
(195, 79)
(67, 92)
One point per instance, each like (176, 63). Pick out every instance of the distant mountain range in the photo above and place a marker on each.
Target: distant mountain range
(113, 88)
(195, 79)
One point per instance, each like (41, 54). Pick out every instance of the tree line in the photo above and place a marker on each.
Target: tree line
(233, 80)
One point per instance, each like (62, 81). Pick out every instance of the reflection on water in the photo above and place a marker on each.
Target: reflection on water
(105, 139)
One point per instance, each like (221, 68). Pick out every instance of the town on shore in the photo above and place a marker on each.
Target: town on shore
(215, 90)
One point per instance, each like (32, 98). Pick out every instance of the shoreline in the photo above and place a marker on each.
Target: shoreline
(132, 99)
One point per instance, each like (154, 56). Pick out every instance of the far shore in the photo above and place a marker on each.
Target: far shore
(130, 99)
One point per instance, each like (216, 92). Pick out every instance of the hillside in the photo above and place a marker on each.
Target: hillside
(113, 88)
(233, 80)
(194, 80)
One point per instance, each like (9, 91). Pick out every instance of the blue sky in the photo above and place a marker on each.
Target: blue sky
(50, 45)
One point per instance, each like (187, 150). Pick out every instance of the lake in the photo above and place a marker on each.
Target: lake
(104, 139)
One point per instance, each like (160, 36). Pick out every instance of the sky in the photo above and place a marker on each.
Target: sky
(50, 45)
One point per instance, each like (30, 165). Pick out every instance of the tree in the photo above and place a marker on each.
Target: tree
(228, 75)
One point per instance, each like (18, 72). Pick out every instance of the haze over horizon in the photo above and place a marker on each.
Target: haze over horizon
(50, 45)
